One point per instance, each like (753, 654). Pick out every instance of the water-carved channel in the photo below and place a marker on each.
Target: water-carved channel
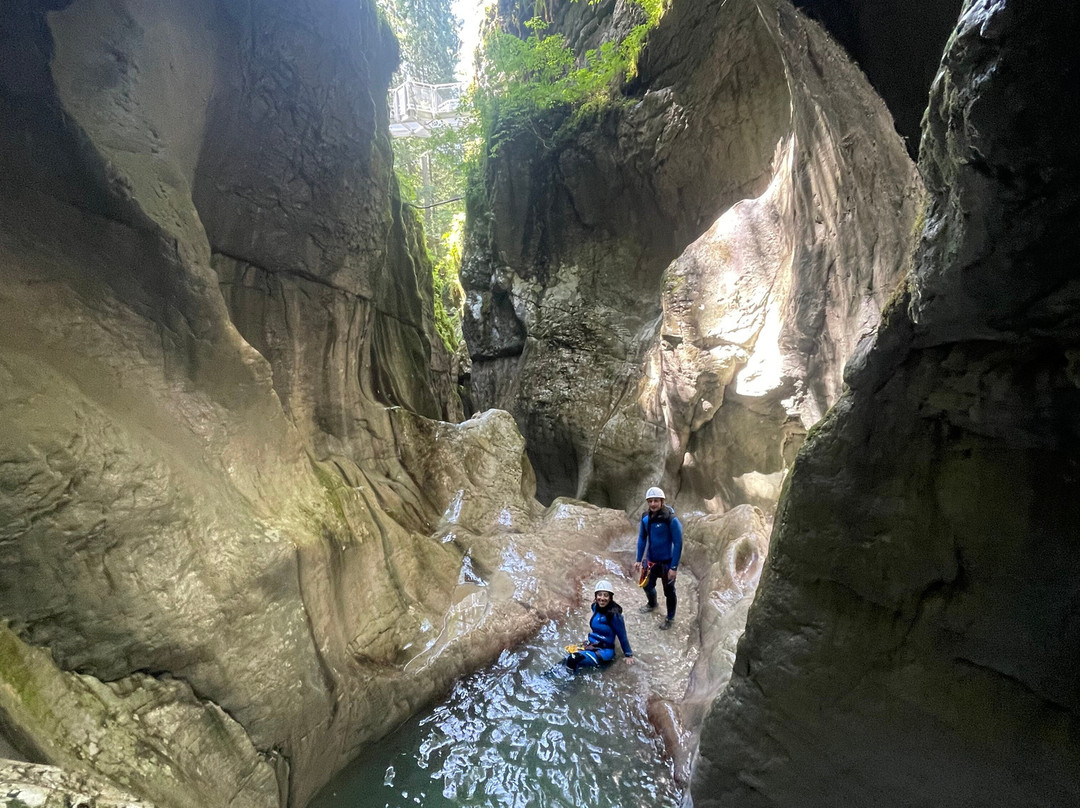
(523, 732)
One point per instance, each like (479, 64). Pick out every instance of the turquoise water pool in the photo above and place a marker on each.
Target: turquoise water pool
(522, 732)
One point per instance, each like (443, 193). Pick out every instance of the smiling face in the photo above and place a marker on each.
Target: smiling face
(603, 599)
(655, 504)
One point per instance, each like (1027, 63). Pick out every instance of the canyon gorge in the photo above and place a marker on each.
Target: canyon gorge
(806, 269)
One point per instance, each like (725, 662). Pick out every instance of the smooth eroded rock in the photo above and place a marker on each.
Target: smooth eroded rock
(914, 637)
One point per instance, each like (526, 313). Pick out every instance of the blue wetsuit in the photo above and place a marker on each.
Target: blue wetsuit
(660, 542)
(604, 627)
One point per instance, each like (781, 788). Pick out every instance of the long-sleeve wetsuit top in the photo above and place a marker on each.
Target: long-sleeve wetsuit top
(663, 535)
(606, 625)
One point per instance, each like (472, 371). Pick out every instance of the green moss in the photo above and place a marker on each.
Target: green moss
(917, 228)
(897, 302)
(335, 488)
(919, 224)
(822, 428)
(17, 673)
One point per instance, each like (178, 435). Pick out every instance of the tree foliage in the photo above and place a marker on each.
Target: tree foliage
(449, 296)
(429, 170)
(521, 78)
(432, 170)
(518, 81)
(428, 33)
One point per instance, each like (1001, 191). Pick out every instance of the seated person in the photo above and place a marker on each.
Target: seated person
(605, 625)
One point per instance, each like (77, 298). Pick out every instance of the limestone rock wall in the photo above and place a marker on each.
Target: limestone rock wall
(49, 787)
(295, 188)
(897, 44)
(667, 292)
(228, 556)
(914, 636)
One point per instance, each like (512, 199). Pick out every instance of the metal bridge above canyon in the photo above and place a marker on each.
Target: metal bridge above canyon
(417, 108)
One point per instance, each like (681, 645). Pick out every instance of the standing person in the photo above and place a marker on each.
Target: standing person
(605, 625)
(659, 545)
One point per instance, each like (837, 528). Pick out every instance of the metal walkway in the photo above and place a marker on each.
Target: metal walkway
(415, 107)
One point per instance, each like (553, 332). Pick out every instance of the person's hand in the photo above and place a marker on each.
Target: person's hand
(637, 567)
(629, 660)
(671, 576)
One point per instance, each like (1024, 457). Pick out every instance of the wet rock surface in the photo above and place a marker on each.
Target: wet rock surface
(914, 636)
(526, 728)
(123, 729)
(25, 785)
(687, 665)
(234, 549)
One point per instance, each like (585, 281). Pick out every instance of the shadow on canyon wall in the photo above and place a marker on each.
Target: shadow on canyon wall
(242, 533)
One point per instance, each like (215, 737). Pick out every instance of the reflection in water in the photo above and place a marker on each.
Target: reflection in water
(523, 732)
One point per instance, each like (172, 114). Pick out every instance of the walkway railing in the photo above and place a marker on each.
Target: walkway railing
(415, 105)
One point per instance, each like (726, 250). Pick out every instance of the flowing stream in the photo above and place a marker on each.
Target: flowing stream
(524, 732)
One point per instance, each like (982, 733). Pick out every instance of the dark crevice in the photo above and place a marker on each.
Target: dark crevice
(881, 38)
(295, 273)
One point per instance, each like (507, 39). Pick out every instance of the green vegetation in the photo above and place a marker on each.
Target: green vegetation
(428, 169)
(521, 79)
(449, 296)
(541, 72)
(536, 82)
(431, 170)
(17, 673)
(335, 491)
(427, 31)
(917, 227)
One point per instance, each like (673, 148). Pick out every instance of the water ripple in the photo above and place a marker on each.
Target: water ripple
(521, 733)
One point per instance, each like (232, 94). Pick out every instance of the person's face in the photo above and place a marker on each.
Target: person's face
(654, 504)
(603, 599)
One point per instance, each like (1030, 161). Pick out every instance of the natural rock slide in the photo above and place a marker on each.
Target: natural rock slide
(245, 532)
(232, 542)
(234, 546)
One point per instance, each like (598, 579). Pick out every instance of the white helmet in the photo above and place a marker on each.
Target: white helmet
(604, 585)
(655, 493)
